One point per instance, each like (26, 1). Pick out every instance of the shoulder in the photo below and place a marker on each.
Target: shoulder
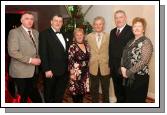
(147, 40)
(45, 31)
(35, 31)
(113, 30)
(128, 26)
(72, 46)
(89, 36)
(106, 34)
(14, 31)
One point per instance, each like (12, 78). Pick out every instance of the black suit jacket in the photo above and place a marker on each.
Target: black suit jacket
(52, 53)
(116, 45)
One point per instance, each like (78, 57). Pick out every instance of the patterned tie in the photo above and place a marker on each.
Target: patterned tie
(29, 32)
(99, 37)
(117, 33)
(36, 68)
(98, 40)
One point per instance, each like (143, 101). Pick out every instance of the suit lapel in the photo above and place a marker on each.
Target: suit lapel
(55, 38)
(94, 41)
(25, 34)
(35, 38)
(123, 32)
(103, 39)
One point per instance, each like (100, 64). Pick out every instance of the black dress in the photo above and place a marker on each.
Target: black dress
(78, 60)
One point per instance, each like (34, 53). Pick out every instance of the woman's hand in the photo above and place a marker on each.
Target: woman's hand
(123, 70)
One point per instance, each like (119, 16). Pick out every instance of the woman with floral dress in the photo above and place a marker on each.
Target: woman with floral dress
(134, 63)
(78, 55)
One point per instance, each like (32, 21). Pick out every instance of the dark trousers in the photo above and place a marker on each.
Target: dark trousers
(54, 88)
(117, 81)
(77, 98)
(94, 87)
(27, 87)
(138, 92)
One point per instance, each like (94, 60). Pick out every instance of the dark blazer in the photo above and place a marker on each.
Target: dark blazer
(52, 53)
(116, 45)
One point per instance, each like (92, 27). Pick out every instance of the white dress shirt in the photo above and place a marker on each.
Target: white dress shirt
(61, 38)
(121, 28)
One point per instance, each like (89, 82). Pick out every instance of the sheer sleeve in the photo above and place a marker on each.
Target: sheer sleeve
(71, 53)
(146, 53)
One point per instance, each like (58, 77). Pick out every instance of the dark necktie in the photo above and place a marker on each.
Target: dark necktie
(117, 33)
(29, 32)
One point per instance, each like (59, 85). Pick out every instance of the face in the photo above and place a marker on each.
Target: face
(57, 23)
(98, 25)
(138, 29)
(120, 19)
(79, 37)
(27, 20)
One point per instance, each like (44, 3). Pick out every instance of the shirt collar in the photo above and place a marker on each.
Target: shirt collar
(26, 29)
(101, 33)
(121, 28)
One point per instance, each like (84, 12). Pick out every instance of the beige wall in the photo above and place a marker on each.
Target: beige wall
(145, 11)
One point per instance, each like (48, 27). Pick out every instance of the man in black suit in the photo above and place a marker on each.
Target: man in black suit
(54, 60)
(119, 36)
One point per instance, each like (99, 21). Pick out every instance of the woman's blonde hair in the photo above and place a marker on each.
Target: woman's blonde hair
(77, 30)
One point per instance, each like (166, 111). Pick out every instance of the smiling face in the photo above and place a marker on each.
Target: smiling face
(79, 37)
(57, 23)
(120, 19)
(27, 20)
(138, 29)
(98, 25)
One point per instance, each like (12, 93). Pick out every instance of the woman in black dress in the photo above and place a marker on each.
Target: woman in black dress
(78, 55)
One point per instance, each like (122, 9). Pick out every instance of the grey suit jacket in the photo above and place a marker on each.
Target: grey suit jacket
(21, 49)
(99, 57)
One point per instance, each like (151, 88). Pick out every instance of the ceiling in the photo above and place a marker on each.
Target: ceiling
(37, 8)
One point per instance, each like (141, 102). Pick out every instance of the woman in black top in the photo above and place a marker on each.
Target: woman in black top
(134, 63)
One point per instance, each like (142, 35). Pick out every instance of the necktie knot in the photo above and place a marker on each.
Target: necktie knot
(99, 37)
(118, 32)
(29, 32)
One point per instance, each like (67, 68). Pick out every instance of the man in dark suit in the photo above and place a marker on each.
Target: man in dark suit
(53, 53)
(23, 50)
(119, 36)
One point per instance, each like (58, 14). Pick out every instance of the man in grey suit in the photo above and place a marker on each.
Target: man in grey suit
(23, 50)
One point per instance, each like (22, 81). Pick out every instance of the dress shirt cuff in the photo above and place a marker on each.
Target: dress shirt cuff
(30, 60)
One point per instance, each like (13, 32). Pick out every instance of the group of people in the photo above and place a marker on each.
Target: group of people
(84, 64)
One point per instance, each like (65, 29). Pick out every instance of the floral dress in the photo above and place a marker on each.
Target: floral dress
(78, 61)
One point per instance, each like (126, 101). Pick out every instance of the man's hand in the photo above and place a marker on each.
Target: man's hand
(35, 61)
(48, 74)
